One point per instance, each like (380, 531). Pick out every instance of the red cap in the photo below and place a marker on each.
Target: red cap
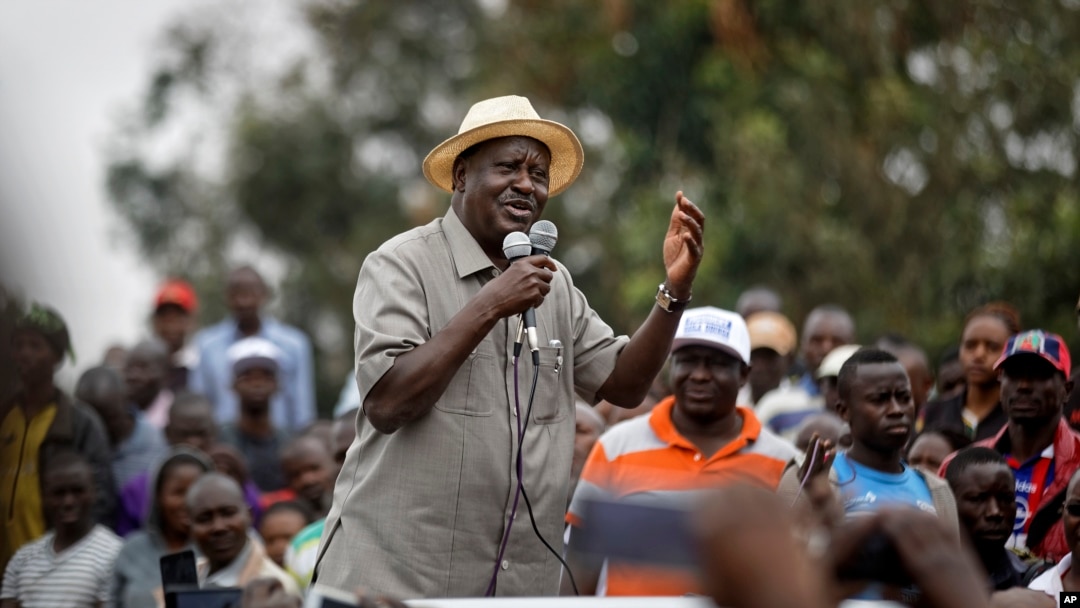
(179, 293)
(1050, 347)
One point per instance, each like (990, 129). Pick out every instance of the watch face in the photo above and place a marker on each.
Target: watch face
(663, 298)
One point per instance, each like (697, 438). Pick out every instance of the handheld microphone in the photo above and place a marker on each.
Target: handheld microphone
(542, 237)
(517, 245)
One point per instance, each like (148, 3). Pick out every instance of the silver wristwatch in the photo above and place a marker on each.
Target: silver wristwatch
(667, 302)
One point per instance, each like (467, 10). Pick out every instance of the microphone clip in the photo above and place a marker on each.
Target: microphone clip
(520, 339)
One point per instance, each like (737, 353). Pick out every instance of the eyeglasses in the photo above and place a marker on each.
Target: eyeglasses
(1073, 509)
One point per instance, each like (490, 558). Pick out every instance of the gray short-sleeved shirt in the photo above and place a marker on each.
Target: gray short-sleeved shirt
(421, 512)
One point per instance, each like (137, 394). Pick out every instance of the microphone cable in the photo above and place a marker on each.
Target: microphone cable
(518, 464)
(520, 489)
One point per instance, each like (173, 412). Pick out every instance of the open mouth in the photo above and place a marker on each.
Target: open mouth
(519, 208)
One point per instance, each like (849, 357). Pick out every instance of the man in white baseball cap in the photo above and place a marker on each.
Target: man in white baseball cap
(694, 439)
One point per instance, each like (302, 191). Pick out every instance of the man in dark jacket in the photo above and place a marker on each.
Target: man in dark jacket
(40, 420)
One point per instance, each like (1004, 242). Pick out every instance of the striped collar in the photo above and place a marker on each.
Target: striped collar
(664, 427)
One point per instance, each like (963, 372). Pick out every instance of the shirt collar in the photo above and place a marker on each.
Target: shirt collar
(1002, 444)
(662, 424)
(466, 253)
(266, 325)
(229, 576)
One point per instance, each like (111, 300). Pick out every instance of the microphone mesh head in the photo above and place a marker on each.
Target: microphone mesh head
(516, 245)
(543, 236)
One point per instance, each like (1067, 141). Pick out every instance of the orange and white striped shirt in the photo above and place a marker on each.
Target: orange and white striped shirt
(646, 458)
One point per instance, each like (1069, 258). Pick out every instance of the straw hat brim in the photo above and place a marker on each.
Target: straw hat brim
(567, 157)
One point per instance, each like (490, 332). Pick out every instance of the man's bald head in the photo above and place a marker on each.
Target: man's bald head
(188, 405)
(219, 518)
(102, 388)
(99, 382)
(758, 298)
(308, 467)
(144, 371)
(585, 413)
(152, 350)
(214, 487)
(825, 425)
(304, 445)
(245, 294)
(246, 275)
(191, 422)
(826, 327)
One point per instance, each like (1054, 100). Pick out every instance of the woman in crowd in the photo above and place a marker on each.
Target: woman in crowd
(137, 575)
(976, 412)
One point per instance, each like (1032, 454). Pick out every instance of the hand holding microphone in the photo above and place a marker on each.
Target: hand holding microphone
(517, 246)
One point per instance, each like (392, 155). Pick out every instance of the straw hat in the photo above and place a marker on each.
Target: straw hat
(504, 117)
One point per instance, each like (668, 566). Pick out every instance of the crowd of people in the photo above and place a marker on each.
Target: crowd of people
(766, 465)
(187, 440)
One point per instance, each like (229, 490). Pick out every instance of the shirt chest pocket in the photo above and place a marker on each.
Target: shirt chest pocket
(554, 392)
(471, 391)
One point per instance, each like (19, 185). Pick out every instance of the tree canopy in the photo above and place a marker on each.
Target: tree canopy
(906, 159)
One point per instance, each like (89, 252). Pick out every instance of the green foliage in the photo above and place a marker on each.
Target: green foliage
(909, 160)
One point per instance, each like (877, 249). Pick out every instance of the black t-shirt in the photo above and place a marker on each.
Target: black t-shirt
(948, 416)
(263, 455)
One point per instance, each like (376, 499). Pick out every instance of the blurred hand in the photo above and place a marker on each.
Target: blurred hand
(268, 593)
(820, 507)
(929, 551)
(750, 557)
(368, 600)
(1019, 597)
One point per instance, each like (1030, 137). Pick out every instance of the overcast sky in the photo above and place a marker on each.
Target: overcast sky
(66, 69)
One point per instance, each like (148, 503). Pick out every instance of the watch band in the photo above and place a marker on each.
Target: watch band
(668, 303)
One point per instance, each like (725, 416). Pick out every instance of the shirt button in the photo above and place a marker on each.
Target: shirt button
(495, 272)
(505, 565)
(697, 457)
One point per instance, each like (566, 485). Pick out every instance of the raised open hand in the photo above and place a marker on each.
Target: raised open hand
(683, 246)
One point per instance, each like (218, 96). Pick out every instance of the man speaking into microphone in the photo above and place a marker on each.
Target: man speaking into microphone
(429, 488)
